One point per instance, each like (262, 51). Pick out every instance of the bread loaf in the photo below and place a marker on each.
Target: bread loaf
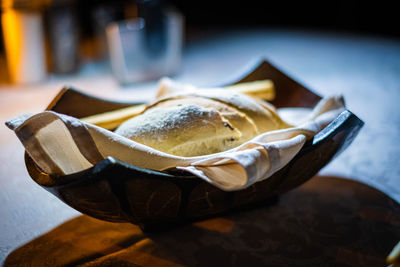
(201, 122)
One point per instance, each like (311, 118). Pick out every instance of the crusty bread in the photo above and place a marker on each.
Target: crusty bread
(201, 122)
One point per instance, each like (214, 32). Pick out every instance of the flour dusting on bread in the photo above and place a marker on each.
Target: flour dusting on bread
(194, 123)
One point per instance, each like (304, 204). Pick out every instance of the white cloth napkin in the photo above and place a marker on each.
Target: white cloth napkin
(60, 145)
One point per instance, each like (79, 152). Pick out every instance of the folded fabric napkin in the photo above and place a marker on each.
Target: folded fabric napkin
(61, 144)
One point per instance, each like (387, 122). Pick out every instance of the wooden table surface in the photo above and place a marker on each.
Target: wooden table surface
(365, 69)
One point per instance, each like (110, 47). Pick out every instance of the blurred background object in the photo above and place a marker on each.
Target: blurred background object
(141, 40)
(23, 40)
(146, 48)
(96, 15)
(57, 36)
(63, 36)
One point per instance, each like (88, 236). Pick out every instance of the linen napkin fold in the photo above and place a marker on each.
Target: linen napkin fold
(61, 144)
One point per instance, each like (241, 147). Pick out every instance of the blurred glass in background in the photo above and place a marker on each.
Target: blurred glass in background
(146, 48)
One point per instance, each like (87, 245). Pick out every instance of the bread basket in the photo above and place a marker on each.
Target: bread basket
(119, 192)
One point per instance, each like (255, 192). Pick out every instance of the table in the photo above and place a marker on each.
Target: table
(365, 69)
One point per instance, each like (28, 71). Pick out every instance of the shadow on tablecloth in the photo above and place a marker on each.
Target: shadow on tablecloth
(329, 221)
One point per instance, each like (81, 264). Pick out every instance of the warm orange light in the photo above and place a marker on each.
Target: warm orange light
(220, 225)
(13, 40)
(24, 45)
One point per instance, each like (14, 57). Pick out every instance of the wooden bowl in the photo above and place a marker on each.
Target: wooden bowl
(120, 192)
